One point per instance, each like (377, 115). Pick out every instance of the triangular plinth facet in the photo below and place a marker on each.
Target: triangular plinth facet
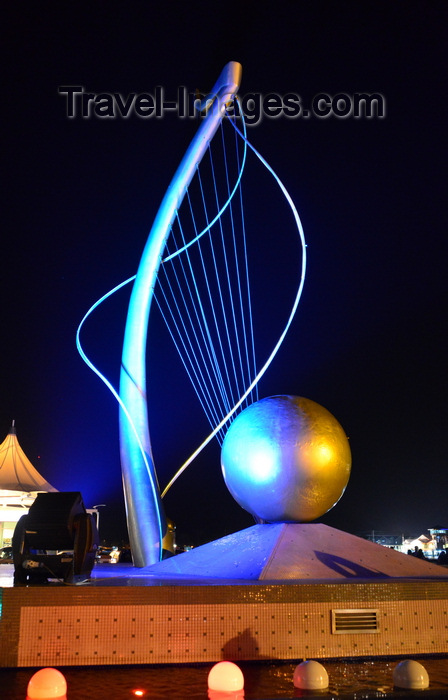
(303, 551)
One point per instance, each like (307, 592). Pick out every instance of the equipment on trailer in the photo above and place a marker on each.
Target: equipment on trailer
(58, 539)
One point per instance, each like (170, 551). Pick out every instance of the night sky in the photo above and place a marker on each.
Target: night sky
(79, 196)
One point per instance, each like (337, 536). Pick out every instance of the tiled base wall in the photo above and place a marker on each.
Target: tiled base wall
(104, 626)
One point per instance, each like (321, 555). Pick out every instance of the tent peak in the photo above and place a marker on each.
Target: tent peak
(12, 430)
(17, 473)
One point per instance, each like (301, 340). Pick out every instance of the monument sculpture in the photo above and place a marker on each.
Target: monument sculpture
(285, 588)
(284, 459)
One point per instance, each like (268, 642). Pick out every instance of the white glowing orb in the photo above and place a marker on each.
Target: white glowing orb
(310, 675)
(411, 674)
(225, 676)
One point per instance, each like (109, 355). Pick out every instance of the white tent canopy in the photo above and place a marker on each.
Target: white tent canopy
(19, 480)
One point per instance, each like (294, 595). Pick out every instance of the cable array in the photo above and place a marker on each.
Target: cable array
(203, 288)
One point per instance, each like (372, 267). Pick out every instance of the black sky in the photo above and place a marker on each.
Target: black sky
(369, 339)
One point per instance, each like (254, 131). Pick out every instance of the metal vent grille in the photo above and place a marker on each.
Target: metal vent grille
(354, 621)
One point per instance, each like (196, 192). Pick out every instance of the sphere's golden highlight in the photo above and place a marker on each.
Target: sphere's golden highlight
(286, 459)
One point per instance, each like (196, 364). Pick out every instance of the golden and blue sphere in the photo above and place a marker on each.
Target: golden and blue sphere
(286, 459)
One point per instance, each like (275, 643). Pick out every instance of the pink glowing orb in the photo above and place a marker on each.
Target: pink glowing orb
(47, 684)
(225, 676)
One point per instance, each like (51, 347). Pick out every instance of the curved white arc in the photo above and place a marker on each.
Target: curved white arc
(144, 511)
(78, 333)
(94, 306)
(154, 485)
(279, 341)
(151, 476)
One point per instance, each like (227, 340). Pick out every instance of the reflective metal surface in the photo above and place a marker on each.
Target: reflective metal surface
(286, 459)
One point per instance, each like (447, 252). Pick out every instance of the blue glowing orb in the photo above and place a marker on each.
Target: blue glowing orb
(286, 459)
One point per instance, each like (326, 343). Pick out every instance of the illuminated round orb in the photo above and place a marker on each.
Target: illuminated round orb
(286, 459)
(410, 674)
(225, 676)
(47, 683)
(310, 675)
